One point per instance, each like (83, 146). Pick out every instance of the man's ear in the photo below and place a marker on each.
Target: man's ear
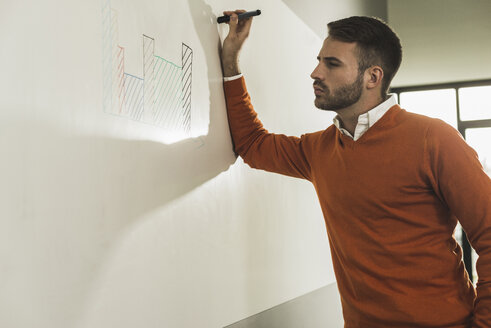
(375, 75)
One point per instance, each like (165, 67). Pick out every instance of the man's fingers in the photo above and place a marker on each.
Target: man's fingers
(237, 27)
(234, 21)
(236, 12)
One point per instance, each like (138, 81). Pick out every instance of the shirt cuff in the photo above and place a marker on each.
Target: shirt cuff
(231, 78)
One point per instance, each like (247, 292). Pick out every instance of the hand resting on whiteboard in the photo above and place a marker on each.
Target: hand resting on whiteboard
(238, 33)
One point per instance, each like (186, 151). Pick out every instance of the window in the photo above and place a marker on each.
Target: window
(479, 139)
(434, 103)
(475, 103)
(467, 107)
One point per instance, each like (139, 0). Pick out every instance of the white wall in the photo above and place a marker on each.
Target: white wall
(110, 222)
(443, 40)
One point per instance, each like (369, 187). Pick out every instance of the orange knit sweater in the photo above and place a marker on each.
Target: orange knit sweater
(391, 201)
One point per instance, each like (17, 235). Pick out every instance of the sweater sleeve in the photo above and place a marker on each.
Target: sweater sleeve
(259, 148)
(460, 181)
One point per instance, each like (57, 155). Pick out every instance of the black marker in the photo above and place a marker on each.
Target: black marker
(224, 19)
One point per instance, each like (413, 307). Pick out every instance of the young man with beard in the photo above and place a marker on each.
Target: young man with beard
(391, 184)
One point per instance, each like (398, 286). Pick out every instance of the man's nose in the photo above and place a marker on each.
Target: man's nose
(316, 74)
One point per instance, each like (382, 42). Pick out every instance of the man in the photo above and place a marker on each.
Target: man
(391, 184)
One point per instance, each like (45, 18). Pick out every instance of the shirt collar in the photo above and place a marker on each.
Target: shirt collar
(368, 119)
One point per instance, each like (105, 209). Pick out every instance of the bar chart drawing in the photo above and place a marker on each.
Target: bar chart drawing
(162, 96)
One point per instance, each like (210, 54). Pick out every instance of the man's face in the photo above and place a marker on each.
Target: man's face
(337, 82)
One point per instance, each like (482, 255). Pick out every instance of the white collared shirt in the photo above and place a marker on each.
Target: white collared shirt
(368, 119)
(231, 78)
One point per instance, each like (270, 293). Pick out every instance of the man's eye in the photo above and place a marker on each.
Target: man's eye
(332, 64)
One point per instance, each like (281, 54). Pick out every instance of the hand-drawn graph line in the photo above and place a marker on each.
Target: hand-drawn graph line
(161, 97)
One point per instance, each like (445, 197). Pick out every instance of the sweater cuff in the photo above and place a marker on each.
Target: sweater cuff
(235, 88)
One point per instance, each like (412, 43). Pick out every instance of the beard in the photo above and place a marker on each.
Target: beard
(342, 97)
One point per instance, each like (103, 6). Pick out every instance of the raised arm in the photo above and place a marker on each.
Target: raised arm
(259, 148)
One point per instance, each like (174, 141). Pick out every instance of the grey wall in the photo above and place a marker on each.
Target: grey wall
(318, 309)
(443, 40)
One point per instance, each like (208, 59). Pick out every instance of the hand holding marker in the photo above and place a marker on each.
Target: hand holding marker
(224, 19)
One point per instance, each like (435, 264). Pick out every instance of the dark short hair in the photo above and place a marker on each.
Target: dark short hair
(377, 44)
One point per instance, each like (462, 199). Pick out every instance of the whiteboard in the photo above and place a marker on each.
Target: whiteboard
(122, 202)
